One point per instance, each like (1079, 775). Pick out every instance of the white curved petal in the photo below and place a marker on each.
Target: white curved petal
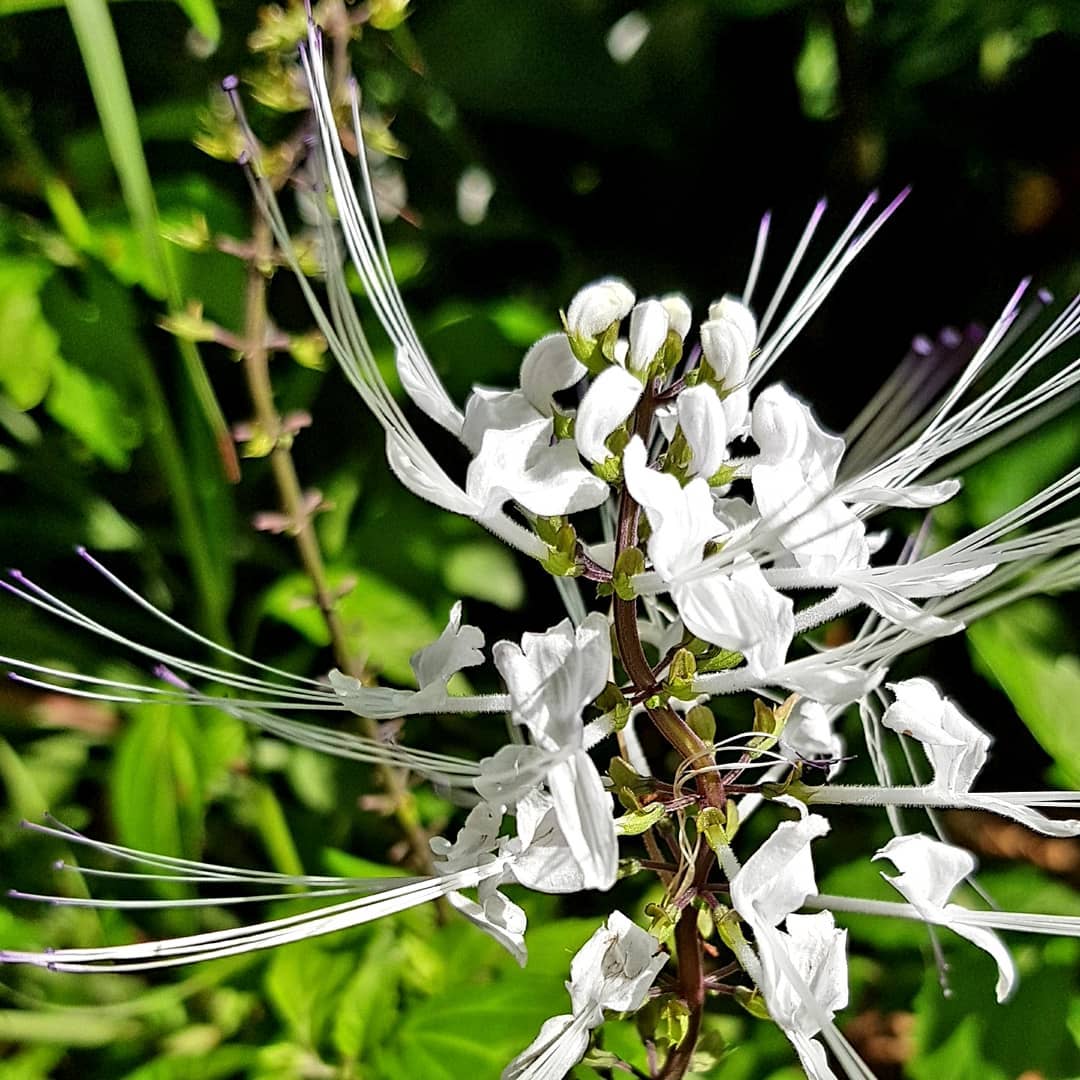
(494, 410)
(456, 648)
(524, 465)
(561, 1044)
(423, 477)
(648, 332)
(595, 307)
(913, 495)
(420, 382)
(682, 518)
(549, 366)
(779, 876)
(584, 812)
(732, 310)
(726, 350)
(512, 940)
(929, 871)
(704, 426)
(679, 314)
(740, 611)
(608, 402)
(990, 943)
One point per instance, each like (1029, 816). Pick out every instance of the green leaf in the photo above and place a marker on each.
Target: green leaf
(31, 346)
(25, 1026)
(92, 410)
(472, 1032)
(1043, 687)
(157, 794)
(304, 982)
(486, 571)
(220, 1062)
(367, 1009)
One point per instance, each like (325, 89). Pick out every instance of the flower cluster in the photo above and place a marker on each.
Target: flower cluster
(647, 458)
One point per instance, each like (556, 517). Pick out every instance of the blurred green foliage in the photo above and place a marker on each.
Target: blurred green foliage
(654, 166)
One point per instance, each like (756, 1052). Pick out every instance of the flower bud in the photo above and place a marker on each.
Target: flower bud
(597, 306)
(648, 332)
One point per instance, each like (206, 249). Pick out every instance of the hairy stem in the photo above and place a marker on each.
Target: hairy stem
(256, 364)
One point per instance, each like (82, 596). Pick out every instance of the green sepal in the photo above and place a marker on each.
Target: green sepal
(189, 325)
(680, 678)
(702, 723)
(613, 703)
(794, 788)
(663, 922)
(547, 528)
(723, 476)
(752, 1002)
(609, 470)
(640, 821)
(628, 565)
(628, 868)
(721, 660)
(629, 785)
(769, 723)
(562, 424)
(664, 1021)
(561, 559)
(595, 1058)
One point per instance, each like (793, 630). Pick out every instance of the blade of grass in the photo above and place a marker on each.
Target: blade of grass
(202, 13)
(104, 66)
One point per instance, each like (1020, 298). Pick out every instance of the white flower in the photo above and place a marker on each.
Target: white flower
(808, 735)
(804, 975)
(648, 331)
(595, 307)
(457, 648)
(610, 399)
(801, 973)
(612, 970)
(524, 464)
(549, 366)
(929, 872)
(551, 678)
(680, 317)
(704, 426)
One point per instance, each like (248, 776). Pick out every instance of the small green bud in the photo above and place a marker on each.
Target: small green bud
(639, 821)
(664, 1021)
(717, 825)
(628, 565)
(702, 723)
(680, 679)
(192, 235)
(308, 350)
(189, 325)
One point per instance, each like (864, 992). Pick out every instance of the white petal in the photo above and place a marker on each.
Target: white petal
(901, 611)
(524, 465)
(498, 410)
(740, 611)
(989, 942)
(552, 676)
(597, 306)
(513, 941)
(784, 428)
(732, 310)
(726, 350)
(549, 366)
(561, 1044)
(779, 876)
(681, 518)
(648, 332)
(457, 647)
(608, 402)
(420, 382)
(929, 871)
(704, 425)
(913, 495)
(679, 314)
(419, 473)
(584, 812)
